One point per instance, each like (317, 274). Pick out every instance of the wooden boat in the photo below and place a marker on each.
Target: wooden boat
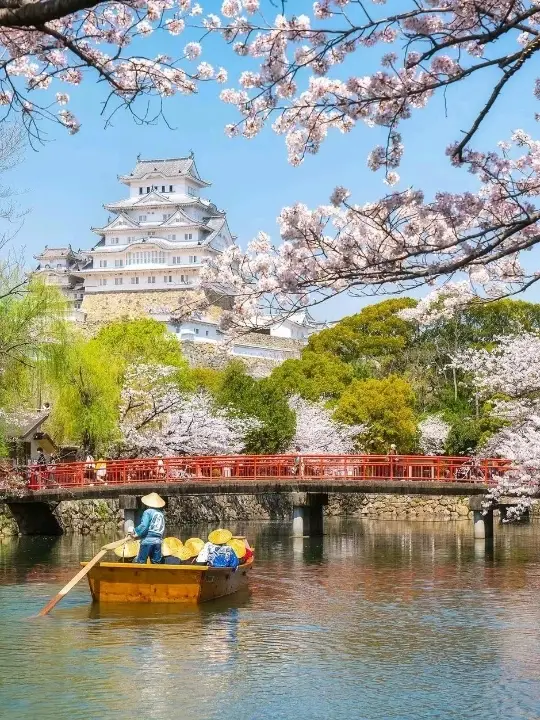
(128, 582)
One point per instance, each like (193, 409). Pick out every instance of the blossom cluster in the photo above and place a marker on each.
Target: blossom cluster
(433, 433)
(511, 370)
(158, 417)
(318, 432)
(401, 241)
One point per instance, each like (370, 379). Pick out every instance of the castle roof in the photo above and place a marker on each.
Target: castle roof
(157, 199)
(168, 168)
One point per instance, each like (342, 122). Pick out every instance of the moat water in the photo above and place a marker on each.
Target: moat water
(375, 621)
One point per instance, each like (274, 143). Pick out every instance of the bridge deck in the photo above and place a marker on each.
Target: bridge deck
(239, 487)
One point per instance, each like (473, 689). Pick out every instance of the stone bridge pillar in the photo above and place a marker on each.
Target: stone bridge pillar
(483, 521)
(129, 504)
(35, 518)
(308, 513)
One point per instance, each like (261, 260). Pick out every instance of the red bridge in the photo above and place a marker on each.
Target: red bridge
(229, 470)
(32, 492)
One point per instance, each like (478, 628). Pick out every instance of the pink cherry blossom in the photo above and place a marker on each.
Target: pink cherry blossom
(318, 432)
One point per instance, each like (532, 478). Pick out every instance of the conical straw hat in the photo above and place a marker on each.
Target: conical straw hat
(171, 546)
(220, 536)
(128, 550)
(238, 546)
(194, 546)
(153, 501)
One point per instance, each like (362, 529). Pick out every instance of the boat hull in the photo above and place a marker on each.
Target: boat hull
(134, 583)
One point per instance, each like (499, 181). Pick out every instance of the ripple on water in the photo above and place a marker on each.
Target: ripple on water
(393, 621)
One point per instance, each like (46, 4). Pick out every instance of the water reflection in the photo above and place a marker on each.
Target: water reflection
(375, 620)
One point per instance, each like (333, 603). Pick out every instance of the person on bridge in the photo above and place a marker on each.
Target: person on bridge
(151, 529)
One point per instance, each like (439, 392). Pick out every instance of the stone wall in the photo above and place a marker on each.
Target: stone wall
(103, 307)
(208, 355)
(216, 508)
(399, 507)
(104, 516)
(89, 516)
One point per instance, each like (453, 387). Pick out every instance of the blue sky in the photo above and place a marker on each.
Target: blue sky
(66, 181)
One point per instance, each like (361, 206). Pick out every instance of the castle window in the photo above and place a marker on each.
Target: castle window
(188, 236)
(170, 188)
(134, 280)
(193, 259)
(142, 218)
(196, 331)
(147, 189)
(167, 279)
(163, 188)
(119, 263)
(206, 333)
(102, 281)
(152, 279)
(141, 190)
(118, 281)
(102, 263)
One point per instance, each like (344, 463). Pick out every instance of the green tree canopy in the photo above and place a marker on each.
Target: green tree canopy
(313, 376)
(375, 332)
(263, 400)
(386, 406)
(141, 341)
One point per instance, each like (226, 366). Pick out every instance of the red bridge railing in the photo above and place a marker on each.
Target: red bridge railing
(271, 468)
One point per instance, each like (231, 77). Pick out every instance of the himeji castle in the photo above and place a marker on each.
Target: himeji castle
(150, 253)
(160, 233)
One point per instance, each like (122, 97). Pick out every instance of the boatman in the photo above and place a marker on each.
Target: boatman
(151, 529)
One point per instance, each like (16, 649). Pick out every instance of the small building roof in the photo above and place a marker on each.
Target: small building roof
(23, 423)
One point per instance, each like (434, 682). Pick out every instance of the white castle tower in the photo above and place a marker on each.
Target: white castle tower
(160, 233)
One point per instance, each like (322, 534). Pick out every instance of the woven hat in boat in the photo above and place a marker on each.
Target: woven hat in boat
(171, 546)
(238, 546)
(194, 546)
(128, 550)
(220, 536)
(153, 501)
(184, 554)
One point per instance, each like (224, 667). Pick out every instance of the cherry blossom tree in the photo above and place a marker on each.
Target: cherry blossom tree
(433, 434)
(509, 375)
(304, 82)
(299, 74)
(51, 46)
(157, 417)
(318, 432)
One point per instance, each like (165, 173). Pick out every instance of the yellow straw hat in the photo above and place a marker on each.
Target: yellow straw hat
(220, 536)
(153, 501)
(128, 550)
(194, 546)
(184, 554)
(238, 546)
(171, 546)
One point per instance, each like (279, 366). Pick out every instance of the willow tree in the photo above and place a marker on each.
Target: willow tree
(86, 377)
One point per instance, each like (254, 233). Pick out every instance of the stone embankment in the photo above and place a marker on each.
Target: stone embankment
(87, 517)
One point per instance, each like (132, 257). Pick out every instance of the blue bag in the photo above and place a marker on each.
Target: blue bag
(223, 556)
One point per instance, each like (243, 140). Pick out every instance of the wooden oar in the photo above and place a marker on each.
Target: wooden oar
(89, 565)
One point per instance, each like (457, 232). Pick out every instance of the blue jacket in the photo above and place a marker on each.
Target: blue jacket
(152, 526)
